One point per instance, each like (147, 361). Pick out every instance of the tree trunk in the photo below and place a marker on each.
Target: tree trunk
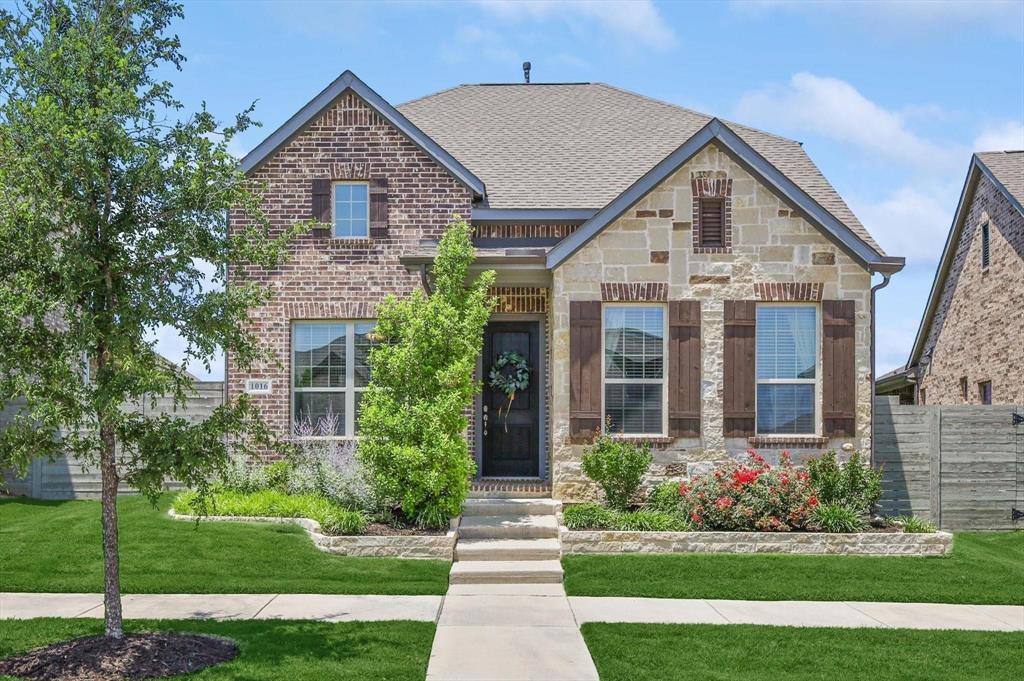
(111, 560)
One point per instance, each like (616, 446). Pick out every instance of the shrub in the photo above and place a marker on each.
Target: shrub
(836, 517)
(243, 475)
(341, 522)
(278, 474)
(749, 495)
(328, 466)
(649, 521)
(665, 497)
(273, 504)
(618, 466)
(854, 483)
(413, 413)
(913, 525)
(587, 516)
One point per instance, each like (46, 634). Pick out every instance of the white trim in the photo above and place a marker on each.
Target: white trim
(638, 381)
(816, 381)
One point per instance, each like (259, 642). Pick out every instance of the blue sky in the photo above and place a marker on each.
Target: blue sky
(889, 99)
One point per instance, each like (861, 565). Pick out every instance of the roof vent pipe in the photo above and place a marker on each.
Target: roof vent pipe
(526, 71)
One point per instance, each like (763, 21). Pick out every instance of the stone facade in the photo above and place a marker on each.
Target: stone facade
(770, 245)
(978, 326)
(803, 543)
(339, 279)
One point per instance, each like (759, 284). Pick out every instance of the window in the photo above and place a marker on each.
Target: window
(330, 372)
(711, 222)
(634, 369)
(985, 392)
(984, 246)
(787, 362)
(963, 388)
(351, 203)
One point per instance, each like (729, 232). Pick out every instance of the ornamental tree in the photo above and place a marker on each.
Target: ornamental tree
(412, 419)
(111, 201)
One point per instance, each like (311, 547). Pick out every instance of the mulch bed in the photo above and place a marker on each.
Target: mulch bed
(385, 530)
(136, 656)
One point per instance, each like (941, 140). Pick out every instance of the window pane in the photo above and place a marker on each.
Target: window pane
(787, 341)
(319, 355)
(342, 192)
(325, 411)
(358, 211)
(359, 192)
(634, 342)
(786, 409)
(633, 408)
(359, 401)
(363, 345)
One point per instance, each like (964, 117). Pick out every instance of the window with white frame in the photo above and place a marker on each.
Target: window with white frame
(787, 369)
(350, 209)
(634, 369)
(330, 371)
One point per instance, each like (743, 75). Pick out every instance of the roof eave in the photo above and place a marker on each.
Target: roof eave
(349, 81)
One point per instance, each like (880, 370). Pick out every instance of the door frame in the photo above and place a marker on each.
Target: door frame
(542, 404)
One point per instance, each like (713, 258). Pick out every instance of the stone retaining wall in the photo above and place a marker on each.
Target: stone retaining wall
(437, 546)
(806, 543)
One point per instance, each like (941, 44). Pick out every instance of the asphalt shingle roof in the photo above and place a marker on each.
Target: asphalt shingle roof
(579, 145)
(1008, 167)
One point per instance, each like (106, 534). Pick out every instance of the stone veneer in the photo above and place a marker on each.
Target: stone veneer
(807, 543)
(770, 244)
(439, 546)
(978, 326)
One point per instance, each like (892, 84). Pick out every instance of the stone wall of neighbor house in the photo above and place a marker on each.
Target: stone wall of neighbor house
(978, 328)
(652, 243)
(345, 279)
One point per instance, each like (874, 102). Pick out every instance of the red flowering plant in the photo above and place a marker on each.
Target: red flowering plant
(749, 495)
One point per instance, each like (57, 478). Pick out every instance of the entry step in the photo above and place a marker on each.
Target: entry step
(508, 527)
(506, 572)
(477, 507)
(507, 549)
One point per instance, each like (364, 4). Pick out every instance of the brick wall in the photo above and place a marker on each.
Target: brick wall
(329, 278)
(978, 329)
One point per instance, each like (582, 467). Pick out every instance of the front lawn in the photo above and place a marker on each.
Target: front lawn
(985, 568)
(665, 652)
(55, 546)
(269, 649)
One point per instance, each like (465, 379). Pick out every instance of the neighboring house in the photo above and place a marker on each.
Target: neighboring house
(695, 283)
(970, 345)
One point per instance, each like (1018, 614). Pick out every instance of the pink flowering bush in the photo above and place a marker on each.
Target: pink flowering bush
(749, 495)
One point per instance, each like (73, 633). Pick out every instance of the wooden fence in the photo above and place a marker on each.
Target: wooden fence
(959, 466)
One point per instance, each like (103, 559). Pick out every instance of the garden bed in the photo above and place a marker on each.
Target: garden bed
(804, 543)
(414, 543)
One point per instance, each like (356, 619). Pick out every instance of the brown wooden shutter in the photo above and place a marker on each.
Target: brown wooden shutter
(712, 222)
(585, 369)
(839, 368)
(684, 368)
(320, 207)
(378, 207)
(739, 403)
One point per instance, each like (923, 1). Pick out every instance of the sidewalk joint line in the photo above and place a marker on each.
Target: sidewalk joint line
(264, 606)
(720, 614)
(868, 615)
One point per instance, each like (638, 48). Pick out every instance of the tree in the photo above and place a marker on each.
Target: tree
(413, 414)
(111, 201)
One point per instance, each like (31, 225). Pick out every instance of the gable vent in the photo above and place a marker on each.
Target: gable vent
(712, 222)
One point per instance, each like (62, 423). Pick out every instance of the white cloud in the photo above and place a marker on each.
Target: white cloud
(638, 21)
(1002, 137)
(911, 222)
(835, 109)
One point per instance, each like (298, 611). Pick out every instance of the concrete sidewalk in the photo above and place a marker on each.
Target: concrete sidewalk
(527, 606)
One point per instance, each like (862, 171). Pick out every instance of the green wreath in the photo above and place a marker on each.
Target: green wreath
(509, 374)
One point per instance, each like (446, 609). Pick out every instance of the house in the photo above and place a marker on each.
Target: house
(968, 345)
(692, 282)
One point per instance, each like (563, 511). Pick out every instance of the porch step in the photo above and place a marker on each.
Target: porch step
(507, 549)
(508, 527)
(482, 507)
(506, 572)
(510, 488)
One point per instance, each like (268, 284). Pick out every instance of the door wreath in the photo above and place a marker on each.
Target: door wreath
(509, 373)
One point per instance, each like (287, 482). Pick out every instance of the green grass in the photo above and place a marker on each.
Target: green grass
(986, 567)
(55, 546)
(707, 652)
(268, 503)
(270, 649)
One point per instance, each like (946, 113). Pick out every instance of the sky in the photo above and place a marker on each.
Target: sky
(889, 98)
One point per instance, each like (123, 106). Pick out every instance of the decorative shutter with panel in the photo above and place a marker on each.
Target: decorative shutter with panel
(584, 369)
(378, 207)
(712, 222)
(839, 368)
(320, 207)
(740, 399)
(684, 368)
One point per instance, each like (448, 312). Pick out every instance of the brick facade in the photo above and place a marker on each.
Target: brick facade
(978, 327)
(329, 278)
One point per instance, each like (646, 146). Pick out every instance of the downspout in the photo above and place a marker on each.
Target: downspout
(425, 280)
(886, 276)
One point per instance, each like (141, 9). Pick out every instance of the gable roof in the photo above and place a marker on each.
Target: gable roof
(349, 81)
(1005, 170)
(721, 134)
(580, 145)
